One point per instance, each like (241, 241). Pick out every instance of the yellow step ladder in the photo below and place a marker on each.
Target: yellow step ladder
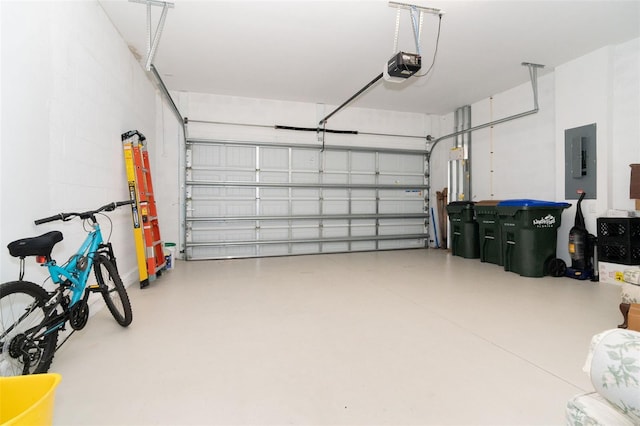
(146, 231)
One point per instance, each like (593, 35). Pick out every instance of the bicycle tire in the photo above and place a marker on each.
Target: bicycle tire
(16, 299)
(111, 286)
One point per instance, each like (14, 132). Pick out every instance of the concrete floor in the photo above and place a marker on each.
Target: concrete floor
(415, 337)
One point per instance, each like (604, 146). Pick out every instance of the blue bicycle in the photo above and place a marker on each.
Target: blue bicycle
(31, 317)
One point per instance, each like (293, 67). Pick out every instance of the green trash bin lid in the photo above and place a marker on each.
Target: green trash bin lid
(460, 207)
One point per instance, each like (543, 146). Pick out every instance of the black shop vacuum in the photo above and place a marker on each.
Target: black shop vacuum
(581, 248)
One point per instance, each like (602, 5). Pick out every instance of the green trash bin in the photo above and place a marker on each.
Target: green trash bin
(464, 229)
(490, 237)
(529, 235)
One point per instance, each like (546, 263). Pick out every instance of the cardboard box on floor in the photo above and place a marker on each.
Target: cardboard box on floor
(633, 321)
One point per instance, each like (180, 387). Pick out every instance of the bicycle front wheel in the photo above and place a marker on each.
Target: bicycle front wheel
(113, 291)
(26, 347)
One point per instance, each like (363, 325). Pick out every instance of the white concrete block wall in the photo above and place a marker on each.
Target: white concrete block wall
(626, 120)
(70, 87)
(220, 108)
(601, 88)
(515, 159)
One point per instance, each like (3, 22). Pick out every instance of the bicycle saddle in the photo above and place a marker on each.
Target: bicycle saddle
(35, 246)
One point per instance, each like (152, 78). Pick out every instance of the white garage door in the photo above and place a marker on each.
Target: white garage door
(252, 199)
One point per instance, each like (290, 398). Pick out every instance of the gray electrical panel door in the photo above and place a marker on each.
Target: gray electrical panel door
(580, 162)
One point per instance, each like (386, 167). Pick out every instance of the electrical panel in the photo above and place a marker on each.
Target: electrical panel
(580, 162)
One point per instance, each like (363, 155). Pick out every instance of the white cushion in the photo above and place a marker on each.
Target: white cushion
(630, 293)
(591, 409)
(631, 276)
(615, 370)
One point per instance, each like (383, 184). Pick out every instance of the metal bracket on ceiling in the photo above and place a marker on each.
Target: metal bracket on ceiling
(153, 41)
(416, 21)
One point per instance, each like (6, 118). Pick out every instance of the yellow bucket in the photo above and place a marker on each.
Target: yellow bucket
(28, 400)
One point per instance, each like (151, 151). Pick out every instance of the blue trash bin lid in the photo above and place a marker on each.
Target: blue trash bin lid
(533, 203)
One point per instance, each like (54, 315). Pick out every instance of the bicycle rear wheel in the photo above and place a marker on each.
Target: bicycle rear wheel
(113, 291)
(24, 347)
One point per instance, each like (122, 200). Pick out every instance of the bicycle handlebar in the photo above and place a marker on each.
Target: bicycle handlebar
(84, 215)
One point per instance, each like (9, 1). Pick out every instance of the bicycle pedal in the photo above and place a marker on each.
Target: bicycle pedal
(94, 287)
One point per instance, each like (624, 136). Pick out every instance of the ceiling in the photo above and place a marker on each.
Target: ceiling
(325, 51)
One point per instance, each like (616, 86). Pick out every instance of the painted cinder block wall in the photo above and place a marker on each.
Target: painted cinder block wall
(70, 87)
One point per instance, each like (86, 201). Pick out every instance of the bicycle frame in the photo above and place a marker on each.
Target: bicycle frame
(73, 274)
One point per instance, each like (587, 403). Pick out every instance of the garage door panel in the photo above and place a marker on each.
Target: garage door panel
(335, 177)
(401, 180)
(273, 208)
(334, 200)
(298, 176)
(400, 244)
(361, 228)
(221, 208)
(227, 232)
(203, 192)
(390, 163)
(335, 228)
(306, 248)
(305, 229)
(336, 161)
(274, 193)
(364, 206)
(336, 247)
(273, 231)
(221, 252)
(308, 160)
(363, 246)
(273, 177)
(396, 207)
(274, 158)
(363, 178)
(395, 227)
(274, 250)
(238, 156)
(363, 161)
